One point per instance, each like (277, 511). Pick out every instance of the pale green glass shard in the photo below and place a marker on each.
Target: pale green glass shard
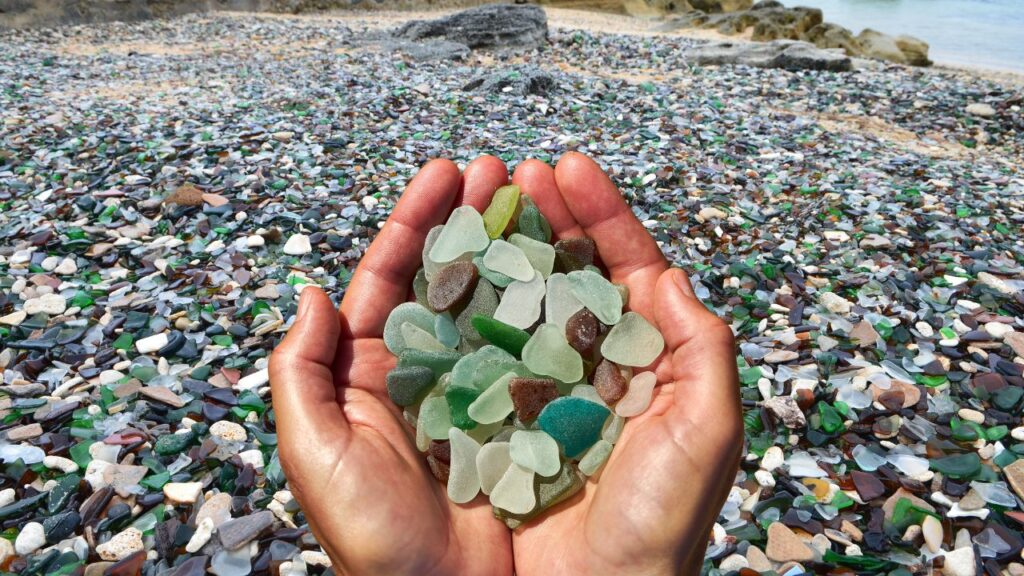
(540, 254)
(497, 278)
(483, 432)
(638, 397)
(420, 286)
(489, 372)
(412, 313)
(550, 492)
(492, 462)
(419, 339)
(435, 418)
(549, 354)
(484, 302)
(505, 434)
(520, 305)
(446, 331)
(623, 293)
(613, 429)
(535, 450)
(508, 260)
(595, 458)
(495, 403)
(559, 302)
(465, 371)
(499, 213)
(514, 492)
(463, 480)
(422, 440)
(633, 341)
(430, 267)
(463, 233)
(532, 223)
(598, 294)
(587, 392)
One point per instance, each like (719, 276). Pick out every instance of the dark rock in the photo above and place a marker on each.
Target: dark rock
(785, 54)
(240, 531)
(494, 26)
(522, 81)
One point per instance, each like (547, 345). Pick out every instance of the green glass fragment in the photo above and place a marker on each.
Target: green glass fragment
(439, 362)
(831, 421)
(459, 398)
(958, 465)
(508, 338)
(532, 223)
(501, 210)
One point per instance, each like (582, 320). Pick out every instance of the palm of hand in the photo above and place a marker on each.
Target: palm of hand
(365, 489)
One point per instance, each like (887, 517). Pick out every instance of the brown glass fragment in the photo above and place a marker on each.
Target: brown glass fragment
(581, 330)
(611, 385)
(452, 285)
(868, 486)
(574, 253)
(531, 395)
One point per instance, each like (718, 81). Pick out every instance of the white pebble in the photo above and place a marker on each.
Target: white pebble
(30, 539)
(51, 304)
(227, 431)
(65, 465)
(298, 245)
(152, 343)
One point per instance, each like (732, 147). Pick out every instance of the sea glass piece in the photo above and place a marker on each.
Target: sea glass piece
(412, 313)
(496, 278)
(463, 480)
(446, 331)
(407, 385)
(540, 254)
(465, 372)
(574, 423)
(610, 383)
(550, 492)
(494, 403)
(420, 285)
(508, 260)
(595, 458)
(559, 302)
(596, 293)
(638, 397)
(483, 432)
(435, 418)
(549, 354)
(417, 338)
(439, 362)
(581, 330)
(535, 450)
(514, 492)
(508, 338)
(499, 213)
(492, 462)
(575, 253)
(459, 398)
(532, 223)
(463, 233)
(430, 267)
(452, 285)
(484, 302)
(521, 303)
(587, 392)
(633, 342)
(439, 458)
(613, 429)
(530, 396)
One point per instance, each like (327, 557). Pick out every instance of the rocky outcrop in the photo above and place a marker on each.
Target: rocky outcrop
(520, 81)
(494, 26)
(770, 20)
(785, 54)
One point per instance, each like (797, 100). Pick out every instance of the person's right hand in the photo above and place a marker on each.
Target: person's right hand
(347, 453)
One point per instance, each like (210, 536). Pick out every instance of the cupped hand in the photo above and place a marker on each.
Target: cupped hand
(651, 508)
(347, 453)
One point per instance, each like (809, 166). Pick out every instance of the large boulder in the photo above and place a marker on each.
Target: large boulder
(519, 81)
(493, 26)
(785, 54)
(875, 44)
(914, 49)
(828, 35)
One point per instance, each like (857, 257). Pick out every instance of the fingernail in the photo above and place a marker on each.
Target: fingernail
(683, 281)
(305, 300)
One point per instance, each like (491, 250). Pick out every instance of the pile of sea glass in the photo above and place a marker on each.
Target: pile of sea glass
(515, 362)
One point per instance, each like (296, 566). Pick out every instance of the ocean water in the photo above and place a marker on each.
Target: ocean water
(977, 33)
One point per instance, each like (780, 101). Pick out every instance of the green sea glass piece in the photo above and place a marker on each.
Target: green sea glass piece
(547, 353)
(633, 342)
(407, 385)
(463, 233)
(459, 398)
(574, 423)
(446, 331)
(412, 313)
(483, 432)
(463, 480)
(492, 462)
(559, 302)
(466, 370)
(435, 418)
(430, 267)
(508, 338)
(535, 450)
(501, 210)
(520, 305)
(438, 362)
(532, 223)
(515, 492)
(958, 465)
(494, 404)
(595, 458)
(587, 392)
(509, 260)
(613, 429)
(550, 492)
(420, 285)
(598, 294)
(540, 254)
(497, 278)
(419, 339)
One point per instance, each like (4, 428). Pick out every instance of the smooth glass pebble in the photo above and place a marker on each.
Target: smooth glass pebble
(613, 429)
(574, 423)
(491, 370)
(407, 385)
(430, 267)
(446, 331)
(535, 450)
(439, 362)
(452, 285)
(463, 233)
(530, 396)
(508, 338)
(532, 223)
(550, 492)
(582, 330)
(496, 278)
(514, 492)
(549, 354)
(598, 294)
(609, 382)
(595, 458)
(459, 398)
(867, 459)
(492, 462)
(575, 253)
(484, 432)
(484, 302)
(422, 440)
(501, 210)
(417, 338)
(463, 480)
(435, 418)
(509, 260)
(420, 286)
(406, 312)
(520, 305)
(495, 403)
(540, 254)
(639, 395)
(633, 342)
(465, 371)
(587, 392)
(559, 302)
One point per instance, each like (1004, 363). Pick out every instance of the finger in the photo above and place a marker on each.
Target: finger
(537, 180)
(480, 179)
(387, 268)
(301, 380)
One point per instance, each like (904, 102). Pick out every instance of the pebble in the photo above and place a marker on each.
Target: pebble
(236, 533)
(52, 304)
(297, 245)
(227, 431)
(183, 492)
(30, 538)
(122, 545)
